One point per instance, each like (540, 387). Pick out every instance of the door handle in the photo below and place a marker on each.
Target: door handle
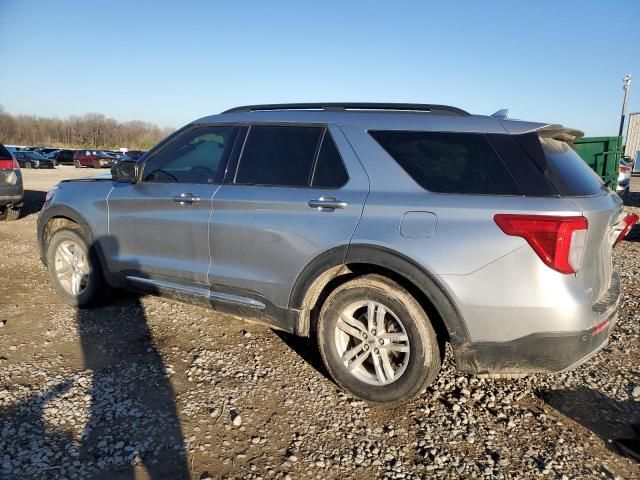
(186, 198)
(327, 204)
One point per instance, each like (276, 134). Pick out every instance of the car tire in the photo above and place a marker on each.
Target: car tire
(76, 164)
(62, 249)
(390, 364)
(28, 165)
(10, 213)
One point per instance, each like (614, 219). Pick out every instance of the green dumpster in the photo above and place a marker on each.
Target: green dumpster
(602, 154)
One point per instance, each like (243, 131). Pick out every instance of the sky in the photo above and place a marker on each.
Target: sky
(170, 62)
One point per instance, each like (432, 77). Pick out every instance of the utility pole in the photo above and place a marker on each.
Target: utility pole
(626, 87)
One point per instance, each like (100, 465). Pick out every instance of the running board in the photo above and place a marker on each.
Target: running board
(198, 292)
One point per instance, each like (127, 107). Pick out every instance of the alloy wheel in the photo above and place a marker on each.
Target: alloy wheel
(372, 343)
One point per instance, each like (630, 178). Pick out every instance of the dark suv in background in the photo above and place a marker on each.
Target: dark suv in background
(11, 190)
(64, 157)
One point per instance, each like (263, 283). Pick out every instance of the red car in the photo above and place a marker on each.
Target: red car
(93, 158)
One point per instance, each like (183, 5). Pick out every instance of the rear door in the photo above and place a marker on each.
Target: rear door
(158, 227)
(296, 192)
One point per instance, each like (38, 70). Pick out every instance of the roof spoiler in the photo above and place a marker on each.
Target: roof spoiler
(517, 127)
(558, 132)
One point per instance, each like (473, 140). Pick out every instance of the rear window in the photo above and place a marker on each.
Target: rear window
(564, 168)
(4, 153)
(446, 162)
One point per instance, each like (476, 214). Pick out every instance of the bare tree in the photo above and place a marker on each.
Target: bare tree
(89, 130)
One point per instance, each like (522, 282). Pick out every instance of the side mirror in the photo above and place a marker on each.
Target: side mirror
(125, 171)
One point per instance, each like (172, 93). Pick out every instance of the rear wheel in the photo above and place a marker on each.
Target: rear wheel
(10, 213)
(76, 164)
(376, 340)
(74, 268)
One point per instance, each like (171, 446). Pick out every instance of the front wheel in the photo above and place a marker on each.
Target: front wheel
(74, 268)
(76, 164)
(376, 341)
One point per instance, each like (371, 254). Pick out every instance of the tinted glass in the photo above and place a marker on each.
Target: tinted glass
(529, 177)
(449, 162)
(193, 157)
(567, 171)
(278, 156)
(329, 171)
(4, 153)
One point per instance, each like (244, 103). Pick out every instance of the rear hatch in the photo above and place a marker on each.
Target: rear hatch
(575, 181)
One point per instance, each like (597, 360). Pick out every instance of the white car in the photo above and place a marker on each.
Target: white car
(624, 178)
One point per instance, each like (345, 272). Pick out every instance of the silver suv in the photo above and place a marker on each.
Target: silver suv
(384, 231)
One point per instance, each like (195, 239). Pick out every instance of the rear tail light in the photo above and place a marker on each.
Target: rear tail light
(625, 225)
(625, 169)
(9, 164)
(558, 241)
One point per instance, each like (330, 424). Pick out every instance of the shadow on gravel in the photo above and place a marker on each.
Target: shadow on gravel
(634, 234)
(33, 201)
(133, 415)
(307, 349)
(24, 433)
(604, 416)
(632, 199)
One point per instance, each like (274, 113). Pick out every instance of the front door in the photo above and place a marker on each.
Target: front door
(158, 227)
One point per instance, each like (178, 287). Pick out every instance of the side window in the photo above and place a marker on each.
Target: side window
(447, 162)
(329, 171)
(193, 157)
(279, 156)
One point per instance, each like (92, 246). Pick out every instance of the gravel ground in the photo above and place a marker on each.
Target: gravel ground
(150, 388)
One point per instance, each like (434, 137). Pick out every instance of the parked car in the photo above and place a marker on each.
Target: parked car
(65, 157)
(117, 155)
(30, 159)
(93, 158)
(46, 151)
(11, 190)
(135, 154)
(383, 230)
(624, 178)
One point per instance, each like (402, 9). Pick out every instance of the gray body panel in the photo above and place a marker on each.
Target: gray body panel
(157, 236)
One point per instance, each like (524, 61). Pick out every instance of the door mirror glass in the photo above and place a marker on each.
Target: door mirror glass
(125, 171)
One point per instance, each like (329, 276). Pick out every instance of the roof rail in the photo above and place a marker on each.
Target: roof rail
(405, 107)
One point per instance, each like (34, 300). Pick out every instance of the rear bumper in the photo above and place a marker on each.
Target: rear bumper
(11, 195)
(544, 351)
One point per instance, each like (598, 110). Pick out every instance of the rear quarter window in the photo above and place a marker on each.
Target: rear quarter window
(560, 163)
(447, 162)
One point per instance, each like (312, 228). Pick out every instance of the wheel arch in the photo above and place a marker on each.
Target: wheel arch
(59, 216)
(333, 267)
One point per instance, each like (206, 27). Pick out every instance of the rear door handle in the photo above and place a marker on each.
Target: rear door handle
(186, 198)
(327, 204)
